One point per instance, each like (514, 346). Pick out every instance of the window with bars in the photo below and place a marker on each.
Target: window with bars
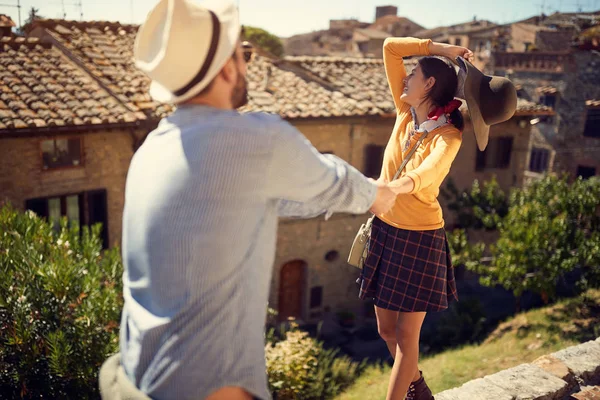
(60, 153)
(592, 123)
(496, 155)
(85, 208)
(586, 172)
(539, 160)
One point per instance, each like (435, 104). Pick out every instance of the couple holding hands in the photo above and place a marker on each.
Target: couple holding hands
(205, 190)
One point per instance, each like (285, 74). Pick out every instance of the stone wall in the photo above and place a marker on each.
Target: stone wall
(566, 374)
(106, 156)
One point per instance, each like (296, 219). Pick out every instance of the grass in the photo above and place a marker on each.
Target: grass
(521, 339)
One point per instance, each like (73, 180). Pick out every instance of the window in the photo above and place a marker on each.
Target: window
(586, 172)
(496, 155)
(332, 256)
(316, 297)
(86, 208)
(527, 46)
(373, 160)
(539, 160)
(57, 153)
(548, 100)
(592, 123)
(457, 42)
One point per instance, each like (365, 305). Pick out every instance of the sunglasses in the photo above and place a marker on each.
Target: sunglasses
(248, 51)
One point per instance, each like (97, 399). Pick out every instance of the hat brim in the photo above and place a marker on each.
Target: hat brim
(471, 95)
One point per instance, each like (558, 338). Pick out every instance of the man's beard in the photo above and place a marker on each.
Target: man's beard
(239, 95)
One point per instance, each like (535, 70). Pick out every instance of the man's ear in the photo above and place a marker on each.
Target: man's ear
(229, 71)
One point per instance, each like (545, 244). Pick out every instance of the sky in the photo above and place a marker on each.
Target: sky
(287, 18)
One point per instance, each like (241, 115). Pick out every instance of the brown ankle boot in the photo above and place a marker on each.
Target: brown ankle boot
(418, 390)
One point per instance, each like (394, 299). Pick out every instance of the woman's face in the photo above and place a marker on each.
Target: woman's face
(416, 87)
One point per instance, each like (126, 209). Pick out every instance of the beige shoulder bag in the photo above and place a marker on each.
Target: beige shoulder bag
(360, 246)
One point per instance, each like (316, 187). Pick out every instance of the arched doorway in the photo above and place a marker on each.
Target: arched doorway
(292, 281)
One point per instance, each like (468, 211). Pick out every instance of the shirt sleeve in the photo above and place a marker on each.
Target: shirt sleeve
(308, 183)
(394, 51)
(437, 163)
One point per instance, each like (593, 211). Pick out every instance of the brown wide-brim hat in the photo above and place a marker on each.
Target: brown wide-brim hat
(490, 99)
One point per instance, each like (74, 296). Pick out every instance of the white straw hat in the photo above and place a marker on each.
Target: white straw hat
(184, 44)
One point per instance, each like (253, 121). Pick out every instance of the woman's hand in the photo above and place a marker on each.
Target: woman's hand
(450, 51)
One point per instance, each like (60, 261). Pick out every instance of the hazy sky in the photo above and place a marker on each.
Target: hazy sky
(286, 18)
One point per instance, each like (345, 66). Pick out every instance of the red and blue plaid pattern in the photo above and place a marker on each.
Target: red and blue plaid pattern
(408, 271)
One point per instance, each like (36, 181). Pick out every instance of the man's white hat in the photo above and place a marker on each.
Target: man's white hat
(184, 44)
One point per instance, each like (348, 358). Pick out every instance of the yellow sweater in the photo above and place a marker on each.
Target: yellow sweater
(420, 209)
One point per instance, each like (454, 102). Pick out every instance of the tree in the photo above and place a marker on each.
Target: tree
(481, 207)
(265, 40)
(60, 305)
(552, 227)
(31, 18)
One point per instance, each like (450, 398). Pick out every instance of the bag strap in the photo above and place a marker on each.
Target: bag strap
(409, 155)
(404, 162)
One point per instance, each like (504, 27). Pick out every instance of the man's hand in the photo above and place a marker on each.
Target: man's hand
(384, 200)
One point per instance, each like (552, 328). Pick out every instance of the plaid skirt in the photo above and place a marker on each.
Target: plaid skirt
(408, 271)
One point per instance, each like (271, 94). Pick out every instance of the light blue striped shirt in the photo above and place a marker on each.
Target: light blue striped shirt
(202, 201)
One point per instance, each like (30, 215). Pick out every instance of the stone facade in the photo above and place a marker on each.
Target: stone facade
(323, 246)
(572, 82)
(105, 160)
(310, 241)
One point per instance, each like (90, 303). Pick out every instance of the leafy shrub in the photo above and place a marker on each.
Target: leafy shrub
(60, 301)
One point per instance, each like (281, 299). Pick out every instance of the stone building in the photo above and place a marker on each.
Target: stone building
(569, 82)
(65, 142)
(352, 38)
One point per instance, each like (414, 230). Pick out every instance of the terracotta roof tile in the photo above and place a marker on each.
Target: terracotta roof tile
(525, 106)
(6, 21)
(548, 90)
(364, 81)
(592, 103)
(106, 49)
(41, 88)
(275, 90)
(359, 79)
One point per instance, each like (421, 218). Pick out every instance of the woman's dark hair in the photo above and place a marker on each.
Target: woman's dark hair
(445, 85)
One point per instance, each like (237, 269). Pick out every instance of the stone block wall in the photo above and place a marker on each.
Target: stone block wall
(567, 374)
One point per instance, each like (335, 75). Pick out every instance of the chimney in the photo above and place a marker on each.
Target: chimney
(383, 11)
(6, 25)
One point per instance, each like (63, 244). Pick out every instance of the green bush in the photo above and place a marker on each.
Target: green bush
(550, 229)
(263, 39)
(60, 301)
(60, 304)
(299, 367)
(463, 322)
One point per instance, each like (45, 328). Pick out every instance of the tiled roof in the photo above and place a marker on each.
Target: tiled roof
(361, 79)
(106, 50)
(548, 90)
(275, 90)
(364, 80)
(529, 107)
(42, 88)
(6, 21)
